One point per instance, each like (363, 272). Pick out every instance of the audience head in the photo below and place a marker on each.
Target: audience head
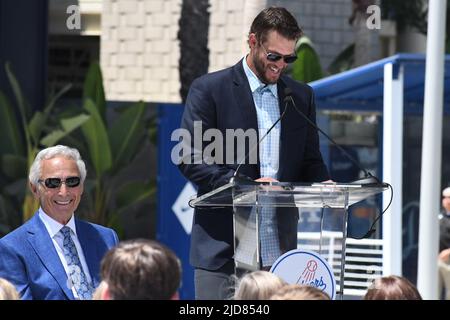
(446, 199)
(140, 270)
(8, 291)
(258, 285)
(392, 288)
(299, 292)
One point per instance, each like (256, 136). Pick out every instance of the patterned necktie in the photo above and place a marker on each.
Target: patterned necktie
(76, 274)
(269, 162)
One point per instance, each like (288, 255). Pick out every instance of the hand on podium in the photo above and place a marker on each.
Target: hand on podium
(269, 179)
(266, 179)
(444, 255)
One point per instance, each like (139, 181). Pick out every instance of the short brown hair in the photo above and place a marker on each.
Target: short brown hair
(275, 19)
(141, 270)
(392, 288)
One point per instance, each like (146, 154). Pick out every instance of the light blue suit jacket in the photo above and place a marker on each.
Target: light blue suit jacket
(29, 259)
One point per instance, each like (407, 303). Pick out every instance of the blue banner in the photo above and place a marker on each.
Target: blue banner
(174, 191)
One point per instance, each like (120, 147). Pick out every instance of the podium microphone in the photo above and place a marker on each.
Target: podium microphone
(368, 179)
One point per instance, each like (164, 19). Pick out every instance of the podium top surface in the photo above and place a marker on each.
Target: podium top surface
(286, 194)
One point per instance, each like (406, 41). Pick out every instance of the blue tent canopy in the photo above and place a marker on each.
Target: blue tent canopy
(362, 88)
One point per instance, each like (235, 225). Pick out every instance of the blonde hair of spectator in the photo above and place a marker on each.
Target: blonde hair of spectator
(299, 292)
(258, 285)
(392, 288)
(8, 291)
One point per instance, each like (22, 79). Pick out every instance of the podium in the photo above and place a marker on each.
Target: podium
(274, 211)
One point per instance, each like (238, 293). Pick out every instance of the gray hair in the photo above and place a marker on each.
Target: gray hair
(53, 152)
(446, 191)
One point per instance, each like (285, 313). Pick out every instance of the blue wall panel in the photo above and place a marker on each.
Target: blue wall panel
(170, 184)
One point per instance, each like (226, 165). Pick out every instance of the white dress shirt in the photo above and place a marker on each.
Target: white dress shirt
(53, 227)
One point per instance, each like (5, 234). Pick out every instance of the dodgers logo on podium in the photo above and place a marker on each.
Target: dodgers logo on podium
(306, 267)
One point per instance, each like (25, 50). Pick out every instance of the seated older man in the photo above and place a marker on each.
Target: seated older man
(55, 256)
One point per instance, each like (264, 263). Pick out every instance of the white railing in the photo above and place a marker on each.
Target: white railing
(363, 258)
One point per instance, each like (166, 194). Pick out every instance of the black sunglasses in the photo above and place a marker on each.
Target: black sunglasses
(275, 56)
(53, 183)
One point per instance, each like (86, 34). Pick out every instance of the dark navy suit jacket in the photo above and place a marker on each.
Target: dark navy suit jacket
(29, 259)
(223, 100)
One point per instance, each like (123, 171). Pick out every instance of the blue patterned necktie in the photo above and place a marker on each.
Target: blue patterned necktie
(268, 113)
(76, 274)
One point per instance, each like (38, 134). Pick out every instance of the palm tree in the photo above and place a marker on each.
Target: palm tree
(193, 36)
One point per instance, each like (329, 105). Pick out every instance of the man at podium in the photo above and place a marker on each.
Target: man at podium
(253, 94)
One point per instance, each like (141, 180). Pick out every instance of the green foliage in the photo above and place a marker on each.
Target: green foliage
(93, 88)
(32, 131)
(108, 149)
(125, 134)
(9, 131)
(94, 132)
(112, 148)
(68, 125)
(307, 67)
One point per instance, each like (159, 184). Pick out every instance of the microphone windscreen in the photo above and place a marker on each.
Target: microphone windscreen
(287, 91)
(287, 94)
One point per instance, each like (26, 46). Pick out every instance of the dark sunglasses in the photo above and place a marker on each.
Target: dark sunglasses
(53, 183)
(275, 56)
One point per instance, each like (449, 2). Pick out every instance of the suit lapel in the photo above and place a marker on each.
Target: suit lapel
(244, 99)
(42, 244)
(89, 251)
(244, 96)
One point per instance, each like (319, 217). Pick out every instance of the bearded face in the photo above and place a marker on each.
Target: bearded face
(275, 46)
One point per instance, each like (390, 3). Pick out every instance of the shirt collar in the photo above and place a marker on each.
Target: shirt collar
(254, 81)
(54, 226)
